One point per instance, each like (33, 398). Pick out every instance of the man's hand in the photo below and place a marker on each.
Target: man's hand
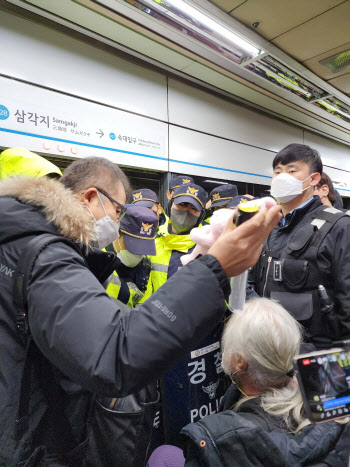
(237, 249)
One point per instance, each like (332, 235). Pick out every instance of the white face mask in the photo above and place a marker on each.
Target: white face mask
(129, 259)
(107, 228)
(285, 187)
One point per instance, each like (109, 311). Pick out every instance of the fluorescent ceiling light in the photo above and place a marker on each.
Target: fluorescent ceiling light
(280, 75)
(215, 26)
(334, 109)
(288, 83)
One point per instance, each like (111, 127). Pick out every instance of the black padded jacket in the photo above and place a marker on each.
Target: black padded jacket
(84, 335)
(252, 437)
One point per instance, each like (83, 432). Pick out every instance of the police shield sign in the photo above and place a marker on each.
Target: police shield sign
(194, 388)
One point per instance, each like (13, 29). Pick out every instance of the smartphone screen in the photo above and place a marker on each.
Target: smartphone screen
(324, 379)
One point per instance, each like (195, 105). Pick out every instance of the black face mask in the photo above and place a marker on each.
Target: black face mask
(183, 221)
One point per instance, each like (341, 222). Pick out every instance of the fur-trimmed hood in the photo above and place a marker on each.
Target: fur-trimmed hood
(59, 209)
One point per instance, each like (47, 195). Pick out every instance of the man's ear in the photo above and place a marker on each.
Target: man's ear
(315, 179)
(168, 195)
(89, 195)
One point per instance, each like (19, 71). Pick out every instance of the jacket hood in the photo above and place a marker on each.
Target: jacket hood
(42, 205)
(20, 161)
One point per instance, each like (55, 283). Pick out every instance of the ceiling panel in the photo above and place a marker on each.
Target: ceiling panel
(114, 31)
(342, 83)
(323, 33)
(279, 16)
(227, 5)
(314, 63)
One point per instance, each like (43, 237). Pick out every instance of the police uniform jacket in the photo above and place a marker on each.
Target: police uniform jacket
(312, 249)
(83, 334)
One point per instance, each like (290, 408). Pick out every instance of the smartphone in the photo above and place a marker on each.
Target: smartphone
(324, 380)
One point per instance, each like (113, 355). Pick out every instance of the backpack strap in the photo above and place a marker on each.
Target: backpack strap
(23, 272)
(324, 221)
(312, 230)
(34, 360)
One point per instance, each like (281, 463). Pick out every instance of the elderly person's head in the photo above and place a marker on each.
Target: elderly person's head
(259, 344)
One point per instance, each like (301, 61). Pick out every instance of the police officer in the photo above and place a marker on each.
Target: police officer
(222, 195)
(176, 182)
(137, 233)
(305, 263)
(219, 198)
(195, 385)
(173, 240)
(148, 198)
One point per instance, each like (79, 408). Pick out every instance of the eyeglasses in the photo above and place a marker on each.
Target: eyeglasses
(123, 209)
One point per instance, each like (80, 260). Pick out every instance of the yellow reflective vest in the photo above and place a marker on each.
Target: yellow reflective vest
(16, 161)
(166, 243)
(135, 296)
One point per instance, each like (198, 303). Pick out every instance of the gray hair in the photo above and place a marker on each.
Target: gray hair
(94, 172)
(268, 337)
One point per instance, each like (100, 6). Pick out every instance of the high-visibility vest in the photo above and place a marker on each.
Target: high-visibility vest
(164, 228)
(166, 243)
(165, 221)
(114, 286)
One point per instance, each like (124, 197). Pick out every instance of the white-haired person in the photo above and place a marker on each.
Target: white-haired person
(263, 421)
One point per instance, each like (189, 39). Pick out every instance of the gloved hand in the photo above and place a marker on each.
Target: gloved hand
(141, 275)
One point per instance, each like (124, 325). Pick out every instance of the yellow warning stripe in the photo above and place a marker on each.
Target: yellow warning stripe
(137, 236)
(189, 194)
(144, 199)
(219, 199)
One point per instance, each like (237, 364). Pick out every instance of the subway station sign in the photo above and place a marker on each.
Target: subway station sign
(48, 121)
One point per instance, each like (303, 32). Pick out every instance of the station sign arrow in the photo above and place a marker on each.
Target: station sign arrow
(100, 133)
